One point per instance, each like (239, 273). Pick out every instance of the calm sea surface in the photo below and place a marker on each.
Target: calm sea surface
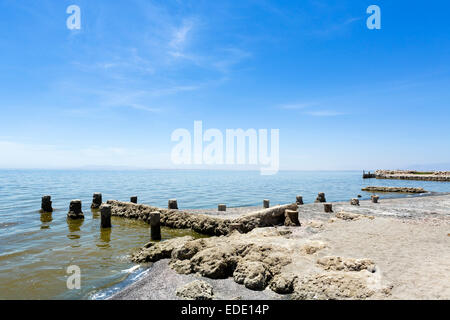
(36, 249)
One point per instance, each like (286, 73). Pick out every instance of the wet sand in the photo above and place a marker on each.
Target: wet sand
(408, 239)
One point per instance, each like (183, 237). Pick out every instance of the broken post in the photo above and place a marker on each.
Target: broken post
(173, 204)
(155, 225)
(133, 199)
(266, 203)
(291, 218)
(321, 197)
(354, 202)
(375, 199)
(75, 210)
(46, 204)
(299, 200)
(234, 226)
(105, 216)
(96, 200)
(327, 207)
(222, 207)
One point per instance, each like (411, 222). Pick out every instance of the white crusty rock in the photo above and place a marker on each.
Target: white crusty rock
(196, 290)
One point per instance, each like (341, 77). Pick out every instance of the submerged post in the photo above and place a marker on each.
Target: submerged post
(375, 198)
(155, 225)
(133, 199)
(96, 200)
(354, 202)
(299, 200)
(328, 207)
(105, 213)
(46, 204)
(173, 204)
(266, 203)
(75, 210)
(321, 197)
(222, 207)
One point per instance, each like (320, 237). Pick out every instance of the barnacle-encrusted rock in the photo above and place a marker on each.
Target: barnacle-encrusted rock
(346, 264)
(331, 285)
(196, 290)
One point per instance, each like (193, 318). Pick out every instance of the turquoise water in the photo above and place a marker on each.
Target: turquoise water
(36, 249)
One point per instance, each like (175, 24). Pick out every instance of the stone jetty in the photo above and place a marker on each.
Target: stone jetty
(203, 223)
(394, 189)
(413, 175)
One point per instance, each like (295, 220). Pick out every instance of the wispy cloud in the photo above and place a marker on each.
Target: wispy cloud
(324, 113)
(297, 106)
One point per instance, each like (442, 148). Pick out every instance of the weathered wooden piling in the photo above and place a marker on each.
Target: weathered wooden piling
(266, 203)
(105, 216)
(133, 199)
(328, 207)
(354, 202)
(375, 198)
(173, 204)
(75, 210)
(96, 200)
(321, 197)
(222, 207)
(155, 225)
(291, 218)
(299, 200)
(46, 204)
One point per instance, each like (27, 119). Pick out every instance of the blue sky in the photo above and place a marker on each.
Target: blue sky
(111, 94)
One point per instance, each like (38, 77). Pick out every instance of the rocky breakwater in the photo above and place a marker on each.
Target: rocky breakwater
(394, 189)
(413, 175)
(203, 223)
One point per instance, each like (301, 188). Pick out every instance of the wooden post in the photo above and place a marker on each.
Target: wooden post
(173, 204)
(222, 207)
(75, 210)
(155, 225)
(133, 199)
(375, 198)
(299, 200)
(46, 204)
(96, 200)
(321, 197)
(105, 216)
(291, 218)
(266, 203)
(354, 202)
(328, 207)
(234, 226)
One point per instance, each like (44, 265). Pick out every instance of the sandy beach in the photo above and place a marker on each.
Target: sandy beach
(394, 249)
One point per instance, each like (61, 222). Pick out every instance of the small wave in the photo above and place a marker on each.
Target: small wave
(130, 270)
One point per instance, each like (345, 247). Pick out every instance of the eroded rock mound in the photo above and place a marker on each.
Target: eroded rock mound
(196, 290)
(283, 283)
(153, 252)
(346, 264)
(351, 216)
(331, 286)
